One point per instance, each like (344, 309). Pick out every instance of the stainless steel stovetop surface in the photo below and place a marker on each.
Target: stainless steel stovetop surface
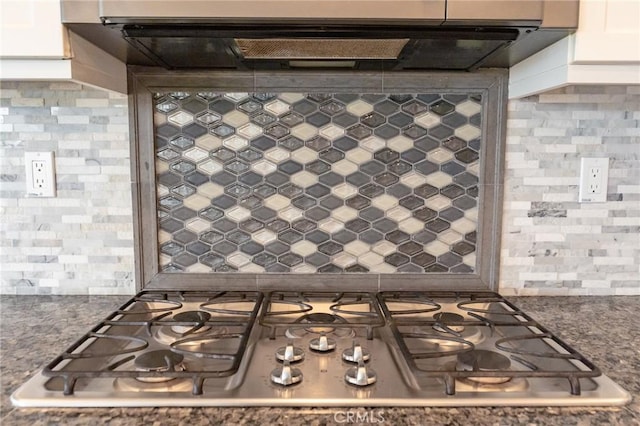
(406, 373)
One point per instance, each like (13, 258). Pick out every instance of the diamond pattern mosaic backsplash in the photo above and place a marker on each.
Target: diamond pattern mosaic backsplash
(294, 182)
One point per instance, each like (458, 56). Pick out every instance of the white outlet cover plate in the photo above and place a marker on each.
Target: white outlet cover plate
(593, 189)
(46, 178)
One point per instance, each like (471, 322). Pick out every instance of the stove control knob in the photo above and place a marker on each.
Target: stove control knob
(356, 353)
(289, 353)
(361, 375)
(322, 344)
(286, 375)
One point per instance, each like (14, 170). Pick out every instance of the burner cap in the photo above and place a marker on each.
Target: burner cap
(320, 317)
(483, 360)
(157, 360)
(192, 316)
(197, 318)
(447, 317)
(320, 323)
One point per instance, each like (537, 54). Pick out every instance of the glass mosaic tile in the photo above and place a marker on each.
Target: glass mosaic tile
(467, 155)
(317, 213)
(223, 178)
(359, 131)
(194, 130)
(318, 119)
(290, 259)
(345, 120)
(222, 130)
(332, 107)
(290, 237)
(386, 131)
(264, 259)
(263, 119)
(198, 248)
(400, 120)
(441, 132)
(320, 182)
(251, 248)
(251, 225)
(318, 143)
(455, 120)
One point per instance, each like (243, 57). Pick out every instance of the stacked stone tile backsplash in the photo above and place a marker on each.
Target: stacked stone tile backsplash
(81, 241)
(303, 183)
(551, 244)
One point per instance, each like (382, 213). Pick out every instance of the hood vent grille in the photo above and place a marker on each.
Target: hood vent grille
(324, 48)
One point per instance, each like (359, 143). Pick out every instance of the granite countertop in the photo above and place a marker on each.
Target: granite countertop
(33, 329)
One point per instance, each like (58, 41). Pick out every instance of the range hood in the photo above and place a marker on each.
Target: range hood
(283, 34)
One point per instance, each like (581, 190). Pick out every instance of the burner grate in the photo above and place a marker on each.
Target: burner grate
(107, 351)
(507, 331)
(320, 310)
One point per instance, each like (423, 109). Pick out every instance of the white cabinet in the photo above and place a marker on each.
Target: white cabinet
(604, 50)
(609, 32)
(32, 29)
(34, 45)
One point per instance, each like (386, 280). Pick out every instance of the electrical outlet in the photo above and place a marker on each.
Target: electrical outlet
(41, 177)
(594, 174)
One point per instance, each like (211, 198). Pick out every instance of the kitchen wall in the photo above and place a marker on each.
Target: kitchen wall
(551, 244)
(81, 241)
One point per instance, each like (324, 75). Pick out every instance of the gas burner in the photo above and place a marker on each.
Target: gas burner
(322, 344)
(127, 384)
(197, 318)
(444, 327)
(320, 323)
(468, 384)
(169, 334)
(481, 360)
(445, 320)
(321, 318)
(161, 360)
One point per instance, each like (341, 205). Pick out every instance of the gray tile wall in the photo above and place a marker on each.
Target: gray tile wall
(551, 244)
(80, 242)
(304, 183)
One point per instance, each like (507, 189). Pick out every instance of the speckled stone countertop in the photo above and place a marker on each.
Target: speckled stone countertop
(33, 329)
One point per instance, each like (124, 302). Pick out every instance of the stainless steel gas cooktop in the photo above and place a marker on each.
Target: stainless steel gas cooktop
(286, 348)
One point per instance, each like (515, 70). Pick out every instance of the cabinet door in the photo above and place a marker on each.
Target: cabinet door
(32, 29)
(609, 32)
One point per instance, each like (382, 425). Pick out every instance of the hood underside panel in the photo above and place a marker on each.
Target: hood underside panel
(370, 48)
